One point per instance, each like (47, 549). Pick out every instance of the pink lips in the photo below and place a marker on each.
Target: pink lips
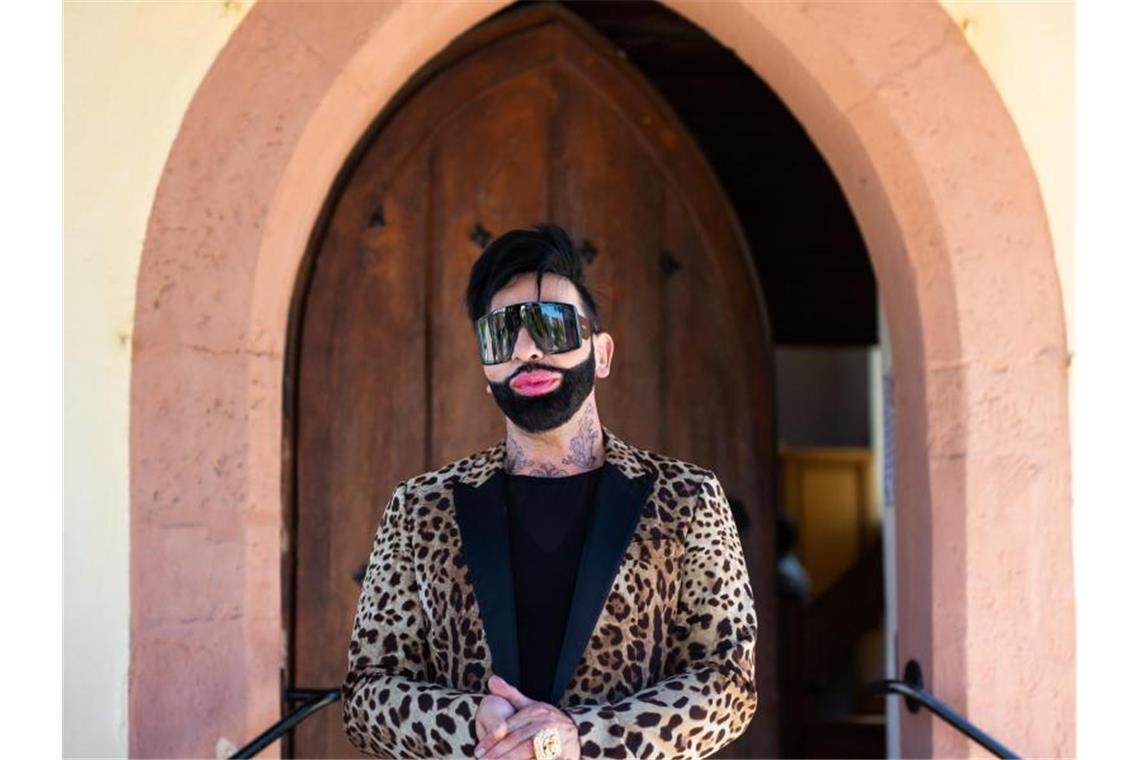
(535, 383)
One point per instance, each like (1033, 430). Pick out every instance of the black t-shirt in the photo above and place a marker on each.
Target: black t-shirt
(547, 520)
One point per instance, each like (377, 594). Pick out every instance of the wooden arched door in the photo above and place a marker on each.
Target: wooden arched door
(529, 117)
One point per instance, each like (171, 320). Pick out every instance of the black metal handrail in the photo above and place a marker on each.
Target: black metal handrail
(311, 701)
(917, 697)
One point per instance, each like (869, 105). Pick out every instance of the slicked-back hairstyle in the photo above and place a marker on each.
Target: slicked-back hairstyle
(542, 249)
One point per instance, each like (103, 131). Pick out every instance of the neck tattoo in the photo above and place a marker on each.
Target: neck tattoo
(583, 452)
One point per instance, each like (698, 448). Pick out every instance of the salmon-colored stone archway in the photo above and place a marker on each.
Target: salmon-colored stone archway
(944, 194)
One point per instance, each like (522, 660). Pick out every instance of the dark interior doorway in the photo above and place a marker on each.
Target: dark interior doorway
(811, 259)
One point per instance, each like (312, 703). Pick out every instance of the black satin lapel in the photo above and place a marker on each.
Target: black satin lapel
(482, 516)
(618, 505)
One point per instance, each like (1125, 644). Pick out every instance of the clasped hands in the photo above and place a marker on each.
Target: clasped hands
(507, 720)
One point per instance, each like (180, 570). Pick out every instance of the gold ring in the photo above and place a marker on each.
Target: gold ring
(547, 745)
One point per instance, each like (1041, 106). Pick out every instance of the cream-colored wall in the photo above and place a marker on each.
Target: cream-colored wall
(130, 70)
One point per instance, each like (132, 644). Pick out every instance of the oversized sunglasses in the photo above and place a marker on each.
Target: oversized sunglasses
(555, 328)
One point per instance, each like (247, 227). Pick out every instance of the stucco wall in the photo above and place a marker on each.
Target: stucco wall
(1028, 51)
(130, 70)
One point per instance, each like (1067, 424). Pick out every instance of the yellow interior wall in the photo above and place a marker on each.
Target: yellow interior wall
(129, 71)
(829, 493)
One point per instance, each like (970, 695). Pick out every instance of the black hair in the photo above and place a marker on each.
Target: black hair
(543, 249)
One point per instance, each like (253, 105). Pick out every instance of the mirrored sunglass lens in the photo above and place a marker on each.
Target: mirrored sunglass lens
(565, 333)
(494, 332)
(557, 327)
(504, 329)
(538, 321)
(483, 334)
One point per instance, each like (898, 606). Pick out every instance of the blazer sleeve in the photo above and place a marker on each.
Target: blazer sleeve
(391, 706)
(709, 696)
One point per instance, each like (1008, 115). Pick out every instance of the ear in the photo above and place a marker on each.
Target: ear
(488, 389)
(603, 354)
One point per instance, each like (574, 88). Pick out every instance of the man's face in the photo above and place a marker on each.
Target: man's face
(538, 391)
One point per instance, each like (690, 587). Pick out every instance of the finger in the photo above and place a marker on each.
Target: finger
(485, 719)
(505, 689)
(486, 726)
(538, 711)
(499, 685)
(515, 739)
(491, 737)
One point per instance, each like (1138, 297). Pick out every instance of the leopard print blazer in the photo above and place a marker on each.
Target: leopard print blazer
(658, 655)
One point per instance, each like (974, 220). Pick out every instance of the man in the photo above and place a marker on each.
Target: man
(562, 594)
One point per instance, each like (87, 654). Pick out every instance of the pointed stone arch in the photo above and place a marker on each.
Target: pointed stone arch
(944, 194)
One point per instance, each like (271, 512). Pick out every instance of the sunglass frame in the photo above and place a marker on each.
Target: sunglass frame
(547, 322)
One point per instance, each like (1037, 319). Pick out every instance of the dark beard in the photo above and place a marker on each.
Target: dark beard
(537, 414)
